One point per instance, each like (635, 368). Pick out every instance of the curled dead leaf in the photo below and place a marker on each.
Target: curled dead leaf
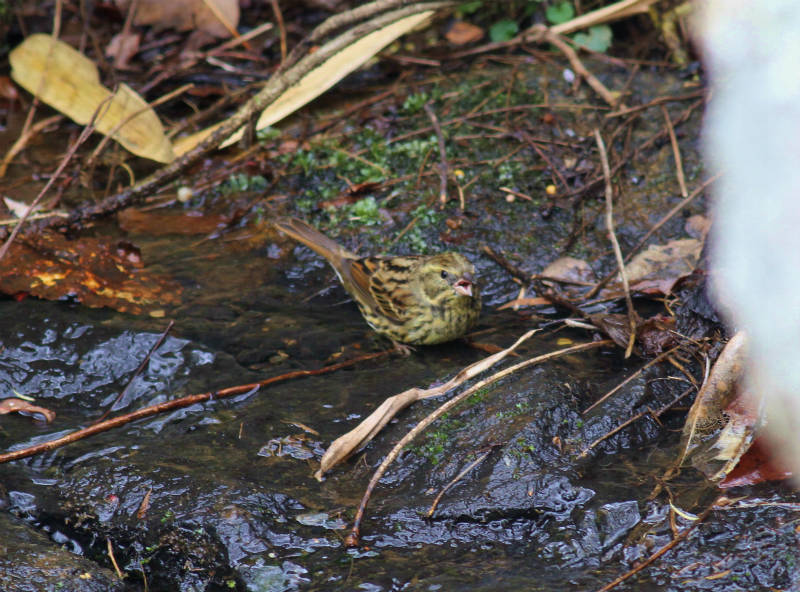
(14, 405)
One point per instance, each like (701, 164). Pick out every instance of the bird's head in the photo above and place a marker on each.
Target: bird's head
(448, 276)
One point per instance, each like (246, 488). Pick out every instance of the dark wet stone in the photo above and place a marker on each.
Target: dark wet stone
(30, 561)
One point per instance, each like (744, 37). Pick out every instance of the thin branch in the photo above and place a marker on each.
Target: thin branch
(281, 27)
(138, 371)
(580, 69)
(636, 417)
(443, 166)
(613, 237)
(652, 362)
(456, 479)
(676, 153)
(177, 404)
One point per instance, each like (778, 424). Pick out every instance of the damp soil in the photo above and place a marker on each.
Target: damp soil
(221, 495)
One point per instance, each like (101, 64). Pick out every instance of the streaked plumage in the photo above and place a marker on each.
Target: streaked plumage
(418, 300)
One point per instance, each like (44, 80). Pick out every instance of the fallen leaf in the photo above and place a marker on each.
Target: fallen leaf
(12, 405)
(720, 425)
(657, 269)
(656, 335)
(569, 270)
(215, 17)
(96, 272)
(69, 82)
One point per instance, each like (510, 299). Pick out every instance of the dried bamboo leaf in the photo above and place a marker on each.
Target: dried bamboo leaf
(350, 442)
(320, 79)
(69, 82)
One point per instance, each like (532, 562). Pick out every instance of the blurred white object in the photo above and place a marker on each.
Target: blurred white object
(752, 135)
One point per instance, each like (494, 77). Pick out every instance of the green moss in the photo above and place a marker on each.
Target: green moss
(241, 182)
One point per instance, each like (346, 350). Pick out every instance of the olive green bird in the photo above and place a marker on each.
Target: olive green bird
(416, 300)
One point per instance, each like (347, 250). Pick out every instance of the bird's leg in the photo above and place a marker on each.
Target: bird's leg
(403, 349)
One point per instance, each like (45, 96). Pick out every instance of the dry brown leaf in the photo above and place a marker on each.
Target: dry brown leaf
(95, 272)
(215, 17)
(707, 417)
(320, 79)
(69, 82)
(757, 465)
(569, 270)
(12, 405)
(656, 269)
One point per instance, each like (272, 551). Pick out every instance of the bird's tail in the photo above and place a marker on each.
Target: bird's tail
(314, 240)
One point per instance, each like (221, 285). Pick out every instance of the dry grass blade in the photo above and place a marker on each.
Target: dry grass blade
(345, 445)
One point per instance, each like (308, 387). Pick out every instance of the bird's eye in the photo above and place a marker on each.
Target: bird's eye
(444, 274)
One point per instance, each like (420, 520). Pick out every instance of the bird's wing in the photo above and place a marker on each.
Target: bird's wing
(384, 283)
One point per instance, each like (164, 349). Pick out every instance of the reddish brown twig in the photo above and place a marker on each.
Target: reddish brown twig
(443, 166)
(177, 404)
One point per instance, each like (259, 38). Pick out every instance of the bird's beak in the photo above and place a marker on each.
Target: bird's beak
(463, 287)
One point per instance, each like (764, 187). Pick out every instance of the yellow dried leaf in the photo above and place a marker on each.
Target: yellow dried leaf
(69, 82)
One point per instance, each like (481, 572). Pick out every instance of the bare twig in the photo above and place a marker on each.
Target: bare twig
(85, 133)
(520, 276)
(138, 371)
(177, 404)
(131, 116)
(27, 133)
(666, 218)
(613, 237)
(636, 417)
(456, 479)
(676, 152)
(110, 549)
(652, 362)
(281, 27)
(341, 448)
(443, 166)
(580, 69)
(223, 20)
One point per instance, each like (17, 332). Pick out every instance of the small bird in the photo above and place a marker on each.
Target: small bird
(414, 300)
